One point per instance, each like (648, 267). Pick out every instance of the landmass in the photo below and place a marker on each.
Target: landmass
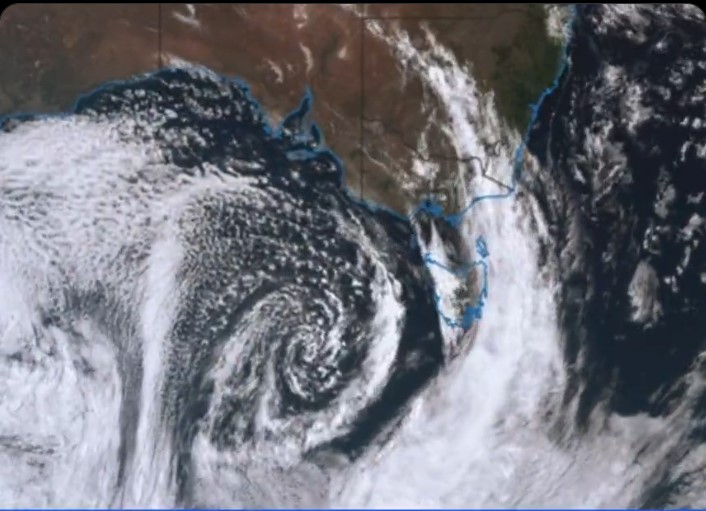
(373, 112)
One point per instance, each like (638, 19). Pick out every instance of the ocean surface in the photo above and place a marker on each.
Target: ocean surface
(195, 312)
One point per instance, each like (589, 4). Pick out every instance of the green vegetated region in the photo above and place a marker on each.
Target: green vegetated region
(524, 68)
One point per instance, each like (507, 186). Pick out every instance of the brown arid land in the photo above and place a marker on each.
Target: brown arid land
(371, 110)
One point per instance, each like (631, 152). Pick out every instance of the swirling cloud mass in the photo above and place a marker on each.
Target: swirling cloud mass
(194, 311)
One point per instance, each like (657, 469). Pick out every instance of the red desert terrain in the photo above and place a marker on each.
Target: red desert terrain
(371, 110)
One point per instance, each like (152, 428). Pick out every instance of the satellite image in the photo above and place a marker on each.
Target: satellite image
(352, 256)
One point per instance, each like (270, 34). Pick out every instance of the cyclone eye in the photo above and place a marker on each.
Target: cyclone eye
(312, 369)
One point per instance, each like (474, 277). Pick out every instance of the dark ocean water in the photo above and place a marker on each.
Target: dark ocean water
(324, 306)
(293, 267)
(626, 189)
(612, 193)
(295, 237)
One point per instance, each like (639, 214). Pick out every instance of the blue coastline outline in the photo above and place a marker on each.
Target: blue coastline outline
(471, 313)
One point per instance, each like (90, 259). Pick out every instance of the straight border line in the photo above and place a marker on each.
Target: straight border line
(159, 36)
(471, 313)
(361, 169)
(363, 18)
(514, 10)
(430, 158)
(474, 313)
